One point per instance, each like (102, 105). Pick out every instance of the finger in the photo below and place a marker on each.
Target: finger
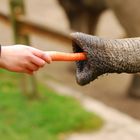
(32, 67)
(47, 58)
(42, 55)
(37, 52)
(38, 61)
(28, 71)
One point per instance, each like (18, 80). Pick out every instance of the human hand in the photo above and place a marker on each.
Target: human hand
(22, 58)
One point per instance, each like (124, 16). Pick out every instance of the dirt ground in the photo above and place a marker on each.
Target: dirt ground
(111, 89)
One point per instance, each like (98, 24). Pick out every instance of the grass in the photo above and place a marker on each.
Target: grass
(49, 118)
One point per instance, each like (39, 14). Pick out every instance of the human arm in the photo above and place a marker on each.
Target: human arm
(22, 58)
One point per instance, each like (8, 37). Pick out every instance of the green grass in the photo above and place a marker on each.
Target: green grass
(49, 118)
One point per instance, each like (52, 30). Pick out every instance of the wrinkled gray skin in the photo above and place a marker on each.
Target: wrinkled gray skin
(105, 56)
(126, 11)
(128, 14)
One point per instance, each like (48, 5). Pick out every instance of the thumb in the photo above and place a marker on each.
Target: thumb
(42, 54)
(46, 57)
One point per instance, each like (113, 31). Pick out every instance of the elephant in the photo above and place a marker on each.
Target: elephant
(83, 15)
(105, 56)
(127, 13)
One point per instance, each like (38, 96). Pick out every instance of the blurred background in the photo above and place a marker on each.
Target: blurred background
(34, 107)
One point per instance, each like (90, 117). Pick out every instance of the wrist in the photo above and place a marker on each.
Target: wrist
(0, 50)
(1, 57)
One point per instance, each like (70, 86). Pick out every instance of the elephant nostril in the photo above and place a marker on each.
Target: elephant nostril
(76, 47)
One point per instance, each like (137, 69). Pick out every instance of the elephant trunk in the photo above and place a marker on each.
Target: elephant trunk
(105, 56)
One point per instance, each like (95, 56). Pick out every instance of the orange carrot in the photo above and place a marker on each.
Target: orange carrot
(61, 56)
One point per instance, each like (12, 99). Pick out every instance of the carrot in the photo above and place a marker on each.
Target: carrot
(61, 56)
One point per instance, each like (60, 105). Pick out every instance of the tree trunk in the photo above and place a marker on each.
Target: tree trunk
(28, 83)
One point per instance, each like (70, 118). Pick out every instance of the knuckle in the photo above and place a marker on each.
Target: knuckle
(29, 57)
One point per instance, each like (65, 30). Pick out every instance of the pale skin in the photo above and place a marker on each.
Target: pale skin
(23, 59)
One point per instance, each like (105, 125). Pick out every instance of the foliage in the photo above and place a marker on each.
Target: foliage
(48, 118)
